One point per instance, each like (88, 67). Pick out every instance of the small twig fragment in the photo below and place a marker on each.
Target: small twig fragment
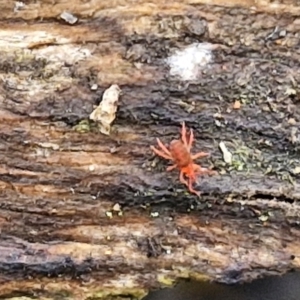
(227, 156)
(68, 17)
(105, 113)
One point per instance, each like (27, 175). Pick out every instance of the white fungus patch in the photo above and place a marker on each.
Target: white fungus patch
(188, 63)
(18, 6)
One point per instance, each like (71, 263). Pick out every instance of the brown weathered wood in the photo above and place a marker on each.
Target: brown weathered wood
(60, 235)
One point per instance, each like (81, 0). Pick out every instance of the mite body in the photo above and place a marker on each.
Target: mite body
(182, 158)
(179, 153)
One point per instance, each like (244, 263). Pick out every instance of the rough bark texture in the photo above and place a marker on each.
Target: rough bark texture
(60, 178)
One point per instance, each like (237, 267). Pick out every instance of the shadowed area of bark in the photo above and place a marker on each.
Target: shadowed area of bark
(89, 216)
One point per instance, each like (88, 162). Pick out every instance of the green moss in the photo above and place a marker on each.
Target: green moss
(165, 280)
(83, 126)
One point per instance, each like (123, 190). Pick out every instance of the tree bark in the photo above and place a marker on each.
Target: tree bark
(91, 216)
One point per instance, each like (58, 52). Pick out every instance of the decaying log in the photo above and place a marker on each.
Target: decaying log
(85, 215)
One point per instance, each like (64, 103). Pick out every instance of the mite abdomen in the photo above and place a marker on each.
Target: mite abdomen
(180, 154)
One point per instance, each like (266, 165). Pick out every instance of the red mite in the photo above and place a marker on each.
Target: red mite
(179, 154)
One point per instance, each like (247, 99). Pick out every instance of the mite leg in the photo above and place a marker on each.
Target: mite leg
(165, 153)
(192, 190)
(182, 180)
(170, 168)
(160, 153)
(191, 139)
(188, 184)
(163, 147)
(183, 135)
(203, 171)
(200, 154)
